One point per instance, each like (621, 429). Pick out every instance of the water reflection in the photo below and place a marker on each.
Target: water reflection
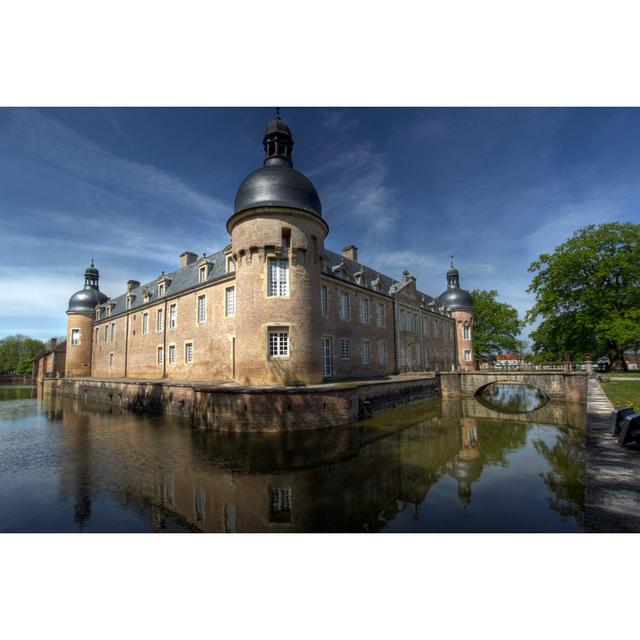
(433, 466)
(512, 398)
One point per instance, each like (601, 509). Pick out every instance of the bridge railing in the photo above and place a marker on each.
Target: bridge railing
(551, 366)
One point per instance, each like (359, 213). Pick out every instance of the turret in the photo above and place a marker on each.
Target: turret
(460, 304)
(80, 315)
(277, 240)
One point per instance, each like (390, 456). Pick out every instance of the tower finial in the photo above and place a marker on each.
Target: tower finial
(452, 257)
(277, 113)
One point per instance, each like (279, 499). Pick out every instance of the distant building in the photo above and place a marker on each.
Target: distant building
(50, 363)
(273, 307)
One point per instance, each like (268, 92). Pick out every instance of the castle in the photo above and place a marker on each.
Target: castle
(274, 307)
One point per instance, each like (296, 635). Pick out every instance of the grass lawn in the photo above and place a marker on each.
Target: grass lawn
(623, 393)
(622, 374)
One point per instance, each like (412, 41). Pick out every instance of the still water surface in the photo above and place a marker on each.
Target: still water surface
(449, 466)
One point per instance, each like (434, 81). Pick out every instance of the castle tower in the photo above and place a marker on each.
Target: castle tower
(460, 303)
(277, 240)
(80, 315)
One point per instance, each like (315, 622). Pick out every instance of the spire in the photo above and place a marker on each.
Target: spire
(91, 276)
(278, 142)
(453, 277)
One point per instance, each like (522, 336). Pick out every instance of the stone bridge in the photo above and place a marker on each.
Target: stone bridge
(558, 385)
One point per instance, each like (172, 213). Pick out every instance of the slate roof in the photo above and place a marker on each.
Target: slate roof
(182, 279)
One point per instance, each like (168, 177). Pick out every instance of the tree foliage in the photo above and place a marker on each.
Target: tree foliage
(17, 353)
(496, 324)
(587, 294)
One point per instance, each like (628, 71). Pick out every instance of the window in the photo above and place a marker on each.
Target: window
(231, 266)
(466, 332)
(173, 316)
(467, 355)
(278, 277)
(145, 324)
(75, 337)
(113, 331)
(128, 303)
(364, 311)
(414, 323)
(230, 301)
(111, 360)
(160, 320)
(97, 334)
(381, 318)
(324, 294)
(366, 353)
(279, 343)
(425, 322)
(188, 352)
(280, 505)
(160, 355)
(98, 314)
(345, 348)
(344, 305)
(172, 354)
(202, 273)
(106, 332)
(109, 310)
(161, 290)
(382, 353)
(202, 309)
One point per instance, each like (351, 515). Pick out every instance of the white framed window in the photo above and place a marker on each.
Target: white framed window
(111, 360)
(230, 301)
(161, 289)
(160, 355)
(467, 355)
(278, 277)
(172, 354)
(382, 353)
(202, 309)
(173, 316)
(98, 313)
(188, 352)
(231, 265)
(381, 314)
(278, 343)
(324, 300)
(466, 332)
(366, 353)
(202, 273)
(345, 348)
(344, 305)
(364, 311)
(145, 324)
(159, 320)
(75, 337)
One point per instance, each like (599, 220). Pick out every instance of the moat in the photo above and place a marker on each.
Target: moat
(508, 462)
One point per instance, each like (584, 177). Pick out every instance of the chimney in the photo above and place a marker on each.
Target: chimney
(351, 252)
(132, 284)
(54, 342)
(187, 257)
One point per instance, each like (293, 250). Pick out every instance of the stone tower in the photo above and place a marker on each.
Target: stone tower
(80, 315)
(277, 240)
(460, 303)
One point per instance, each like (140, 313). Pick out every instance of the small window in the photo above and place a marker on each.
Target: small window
(160, 355)
(467, 355)
(172, 354)
(128, 303)
(109, 310)
(425, 328)
(106, 333)
(344, 305)
(145, 324)
(345, 348)
(366, 353)
(160, 320)
(188, 352)
(230, 301)
(75, 337)
(286, 240)
(280, 505)
(466, 332)
(161, 289)
(98, 314)
(381, 316)
(278, 343)
(382, 353)
(231, 266)
(111, 360)
(173, 316)
(278, 277)
(113, 331)
(324, 295)
(202, 273)
(97, 334)
(202, 309)
(364, 311)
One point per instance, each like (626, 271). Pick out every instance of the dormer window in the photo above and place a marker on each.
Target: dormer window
(231, 267)
(146, 296)
(108, 310)
(202, 273)
(128, 302)
(161, 289)
(98, 313)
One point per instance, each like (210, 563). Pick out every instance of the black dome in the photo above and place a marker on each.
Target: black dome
(277, 186)
(456, 298)
(86, 300)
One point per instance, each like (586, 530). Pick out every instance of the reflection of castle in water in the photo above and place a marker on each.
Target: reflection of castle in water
(346, 479)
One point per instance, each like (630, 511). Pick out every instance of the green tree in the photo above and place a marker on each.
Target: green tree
(496, 324)
(17, 353)
(587, 294)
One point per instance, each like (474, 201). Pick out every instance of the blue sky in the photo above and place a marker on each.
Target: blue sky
(134, 187)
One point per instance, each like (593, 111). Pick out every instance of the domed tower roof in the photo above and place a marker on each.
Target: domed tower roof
(87, 299)
(277, 183)
(455, 297)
